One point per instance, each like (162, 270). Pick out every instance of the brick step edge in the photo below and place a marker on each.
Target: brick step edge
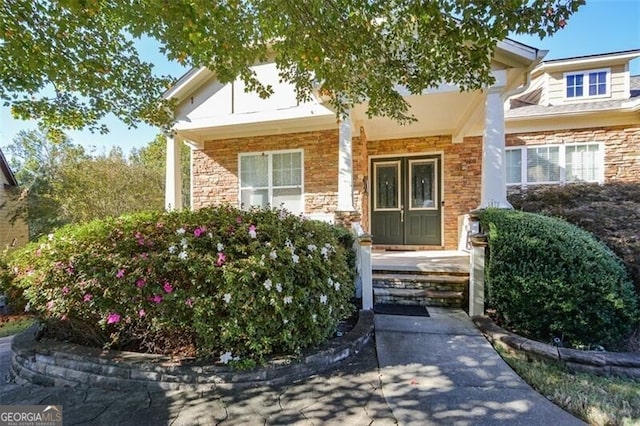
(62, 364)
(447, 272)
(411, 292)
(420, 278)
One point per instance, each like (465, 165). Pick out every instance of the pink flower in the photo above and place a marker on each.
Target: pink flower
(38, 252)
(140, 283)
(167, 287)
(65, 290)
(113, 318)
(252, 231)
(221, 259)
(156, 298)
(120, 273)
(198, 232)
(189, 302)
(50, 304)
(141, 313)
(144, 255)
(238, 219)
(87, 297)
(64, 317)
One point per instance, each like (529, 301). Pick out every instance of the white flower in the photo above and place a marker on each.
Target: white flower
(180, 231)
(273, 255)
(220, 247)
(182, 255)
(287, 300)
(261, 263)
(337, 286)
(324, 252)
(312, 247)
(267, 284)
(285, 321)
(314, 317)
(287, 243)
(209, 234)
(323, 299)
(172, 248)
(227, 297)
(226, 357)
(268, 244)
(50, 236)
(279, 287)
(330, 282)
(183, 243)
(295, 258)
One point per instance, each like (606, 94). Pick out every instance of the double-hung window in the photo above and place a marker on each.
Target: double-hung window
(587, 84)
(272, 179)
(533, 165)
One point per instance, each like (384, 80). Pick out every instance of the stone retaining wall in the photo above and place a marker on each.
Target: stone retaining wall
(625, 364)
(52, 363)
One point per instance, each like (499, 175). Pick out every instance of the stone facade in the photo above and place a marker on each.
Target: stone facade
(215, 168)
(621, 147)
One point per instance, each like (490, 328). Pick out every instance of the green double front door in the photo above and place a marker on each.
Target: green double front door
(406, 202)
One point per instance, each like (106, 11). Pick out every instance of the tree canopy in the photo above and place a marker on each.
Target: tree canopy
(68, 63)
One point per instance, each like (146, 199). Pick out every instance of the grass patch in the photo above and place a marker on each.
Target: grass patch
(596, 400)
(14, 325)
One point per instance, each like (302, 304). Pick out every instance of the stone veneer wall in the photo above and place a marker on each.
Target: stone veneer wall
(621, 147)
(462, 165)
(215, 168)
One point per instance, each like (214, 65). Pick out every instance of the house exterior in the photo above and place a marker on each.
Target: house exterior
(409, 186)
(13, 233)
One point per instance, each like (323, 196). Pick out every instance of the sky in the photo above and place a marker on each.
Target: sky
(600, 26)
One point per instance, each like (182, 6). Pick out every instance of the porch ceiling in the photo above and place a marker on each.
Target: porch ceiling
(445, 113)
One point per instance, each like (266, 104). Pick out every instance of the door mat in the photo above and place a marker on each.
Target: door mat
(394, 309)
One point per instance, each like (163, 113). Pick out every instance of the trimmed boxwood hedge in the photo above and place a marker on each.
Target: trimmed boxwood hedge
(549, 279)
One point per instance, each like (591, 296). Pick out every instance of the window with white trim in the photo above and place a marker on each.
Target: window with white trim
(272, 178)
(547, 164)
(587, 84)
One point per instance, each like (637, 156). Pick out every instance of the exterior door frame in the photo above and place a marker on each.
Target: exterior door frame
(391, 156)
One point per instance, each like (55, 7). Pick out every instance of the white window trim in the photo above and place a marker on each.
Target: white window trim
(270, 186)
(585, 85)
(563, 163)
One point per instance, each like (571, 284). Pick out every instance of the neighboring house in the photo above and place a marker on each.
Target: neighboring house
(410, 186)
(13, 233)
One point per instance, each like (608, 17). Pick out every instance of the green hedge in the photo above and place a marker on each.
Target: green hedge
(549, 279)
(235, 284)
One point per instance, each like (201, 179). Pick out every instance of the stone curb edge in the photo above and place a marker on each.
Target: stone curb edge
(52, 363)
(624, 364)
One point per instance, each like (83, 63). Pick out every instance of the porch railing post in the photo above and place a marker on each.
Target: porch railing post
(363, 265)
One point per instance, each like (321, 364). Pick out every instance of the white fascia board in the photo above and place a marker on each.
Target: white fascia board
(187, 83)
(588, 61)
(516, 48)
(303, 111)
(547, 115)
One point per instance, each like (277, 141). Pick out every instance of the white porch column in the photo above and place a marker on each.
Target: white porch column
(345, 166)
(173, 176)
(494, 186)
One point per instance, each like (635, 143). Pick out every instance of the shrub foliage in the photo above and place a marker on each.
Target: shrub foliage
(547, 278)
(235, 284)
(611, 212)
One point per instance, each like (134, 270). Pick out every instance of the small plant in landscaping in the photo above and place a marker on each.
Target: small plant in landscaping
(238, 286)
(547, 278)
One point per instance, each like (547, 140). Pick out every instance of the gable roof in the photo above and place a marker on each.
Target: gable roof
(594, 60)
(509, 51)
(6, 170)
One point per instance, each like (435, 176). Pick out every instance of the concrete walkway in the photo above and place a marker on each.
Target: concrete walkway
(436, 370)
(441, 371)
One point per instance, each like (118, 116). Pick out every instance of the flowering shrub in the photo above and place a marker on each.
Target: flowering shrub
(237, 285)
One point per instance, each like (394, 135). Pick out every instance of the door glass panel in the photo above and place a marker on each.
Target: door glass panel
(387, 185)
(423, 184)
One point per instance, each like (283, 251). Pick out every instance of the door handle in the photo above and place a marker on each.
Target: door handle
(401, 214)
